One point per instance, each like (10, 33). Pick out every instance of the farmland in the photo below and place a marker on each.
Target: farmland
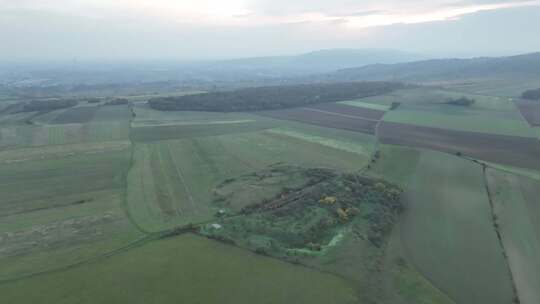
(515, 199)
(456, 118)
(200, 164)
(344, 109)
(214, 273)
(488, 147)
(454, 221)
(325, 119)
(62, 205)
(397, 198)
(530, 110)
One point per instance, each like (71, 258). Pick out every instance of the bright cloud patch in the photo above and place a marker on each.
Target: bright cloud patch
(355, 14)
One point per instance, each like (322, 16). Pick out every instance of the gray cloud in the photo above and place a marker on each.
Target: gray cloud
(50, 31)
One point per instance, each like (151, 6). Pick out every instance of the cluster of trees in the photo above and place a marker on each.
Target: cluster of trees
(48, 105)
(531, 94)
(93, 100)
(271, 98)
(462, 101)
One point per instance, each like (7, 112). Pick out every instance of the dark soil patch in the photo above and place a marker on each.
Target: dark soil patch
(509, 150)
(315, 117)
(530, 110)
(112, 114)
(76, 115)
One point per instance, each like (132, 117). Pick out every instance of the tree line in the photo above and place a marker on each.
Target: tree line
(273, 97)
(531, 94)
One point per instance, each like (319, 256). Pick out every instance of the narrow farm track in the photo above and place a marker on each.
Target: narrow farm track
(376, 148)
(125, 204)
(498, 232)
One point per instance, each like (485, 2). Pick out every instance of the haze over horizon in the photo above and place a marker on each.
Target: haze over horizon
(206, 29)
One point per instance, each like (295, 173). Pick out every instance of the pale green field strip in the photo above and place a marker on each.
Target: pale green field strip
(449, 234)
(450, 117)
(518, 218)
(537, 131)
(318, 131)
(508, 87)
(186, 269)
(436, 96)
(192, 123)
(191, 130)
(146, 115)
(359, 103)
(145, 98)
(354, 147)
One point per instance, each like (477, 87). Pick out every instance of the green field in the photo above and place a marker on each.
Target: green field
(448, 231)
(462, 119)
(186, 269)
(426, 106)
(85, 207)
(396, 164)
(360, 103)
(146, 116)
(497, 86)
(200, 164)
(433, 95)
(61, 205)
(518, 214)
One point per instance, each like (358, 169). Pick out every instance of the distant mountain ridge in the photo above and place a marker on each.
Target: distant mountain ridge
(325, 60)
(527, 65)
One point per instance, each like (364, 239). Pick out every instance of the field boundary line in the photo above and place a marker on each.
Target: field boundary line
(343, 115)
(496, 225)
(125, 203)
(483, 163)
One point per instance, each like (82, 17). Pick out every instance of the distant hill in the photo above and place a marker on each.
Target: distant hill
(323, 60)
(199, 75)
(521, 66)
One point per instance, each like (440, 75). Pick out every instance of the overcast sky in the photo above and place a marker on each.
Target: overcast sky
(202, 29)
